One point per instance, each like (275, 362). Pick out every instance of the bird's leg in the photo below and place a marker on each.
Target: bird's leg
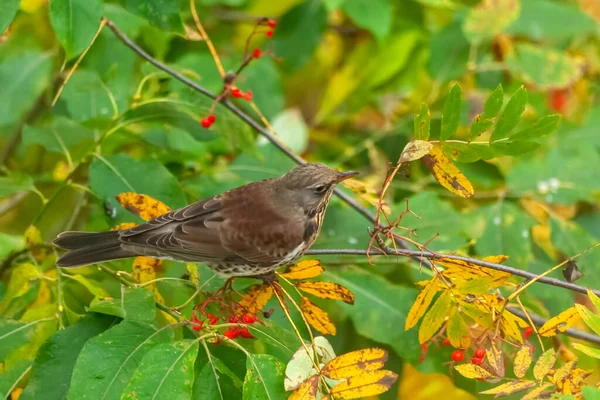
(269, 277)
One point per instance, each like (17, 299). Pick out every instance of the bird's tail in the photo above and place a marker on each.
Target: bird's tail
(86, 248)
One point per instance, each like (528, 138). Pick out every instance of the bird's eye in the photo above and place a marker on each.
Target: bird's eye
(320, 188)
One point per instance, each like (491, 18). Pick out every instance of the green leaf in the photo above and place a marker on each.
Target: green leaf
(16, 183)
(266, 84)
(87, 97)
(590, 393)
(13, 334)
(590, 319)
(480, 126)
(264, 378)
(493, 104)
(299, 32)
(23, 78)
(19, 285)
(511, 115)
(75, 23)
(93, 286)
(380, 309)
(490, 18)
(160, 13)
(51, 375)
(8, 10)
(539, 19)
(451, 113)
(62, 135)
(373, 15)
(590, 351)
(542, 127)
(120, 173)
(514, 148)
(422, 124)
(166, 371)
(506, 232)
(216, 381)
(468, 153)
(545, 68)
(449, 53)
(292, 130)
(9, 379)
(108, 360)
(134, 305)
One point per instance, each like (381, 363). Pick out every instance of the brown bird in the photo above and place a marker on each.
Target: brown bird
(248, 231)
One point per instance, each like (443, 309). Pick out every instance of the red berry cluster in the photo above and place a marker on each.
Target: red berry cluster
(272, 24)
(198, 323)
(478, 356)
(235, 92)
(208, 121)
(236, 331)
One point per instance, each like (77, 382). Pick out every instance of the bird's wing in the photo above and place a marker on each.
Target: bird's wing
(236, 227)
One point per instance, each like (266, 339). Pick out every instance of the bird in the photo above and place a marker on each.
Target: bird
(249, 231)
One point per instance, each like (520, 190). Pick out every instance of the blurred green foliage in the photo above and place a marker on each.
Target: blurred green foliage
(347, 79)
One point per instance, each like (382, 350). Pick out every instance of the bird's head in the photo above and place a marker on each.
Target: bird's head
(310, 185)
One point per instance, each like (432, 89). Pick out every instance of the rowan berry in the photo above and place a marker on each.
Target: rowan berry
(446, 342)
(212, 318)
(248, 95)
(212, 118)
(196, 325)
(233, 319)
(458, 355)
(206, 122)
(528, 332)
(230, 334)
(480, 352)
(477, 360)
(236, 92)
(256, 53)
(246, 333)
(269, 34)
(272, 23)
(248, 319)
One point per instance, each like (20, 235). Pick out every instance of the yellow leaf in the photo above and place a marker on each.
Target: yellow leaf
(144, 270)
(510, 324)
(327, 290)
(564, 371)
(495, 358)
(192, 270)
(595, 353)
(61, 171)
(32, 236)
(304, 270)
(435, 317)
(421, 303)
(560, 323)
(16, 393)
(544, 364)
(541, 236)
(255, 300)
(510, 388)
(124, 225)
(415, 385)
(307, 390)
(499, 259)
(364, 385)
(363, 190)
(446, 173)
(415, 150)
(317, 317)
(141, 205)
(595, 299)
(591, 320)
(523, 360)
(535, 393)
(19, 284)
(458, 332)
(472, 371)
(355, 363)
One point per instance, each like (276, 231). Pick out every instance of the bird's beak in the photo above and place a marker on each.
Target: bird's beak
(342, 176)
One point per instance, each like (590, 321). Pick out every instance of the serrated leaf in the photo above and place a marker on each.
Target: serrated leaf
(327, 290)
(307, 390)
(166, 371)
(364, 385)
(494, 103)
(510, 115)
(458, 332)
(143, 206)
(543, 127)
(451, 113)
(415, 150)
(544, 364)
(422, 124)
(317, 317)
(489, 18)
(510, 387)
(422, 302)
(560, 323)
(447, 174)
(523, 360)
(591, 320)
(472, 371)
(495, 358)
(304, 270)
(435, 317)
(255, 299)
(355, 363)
